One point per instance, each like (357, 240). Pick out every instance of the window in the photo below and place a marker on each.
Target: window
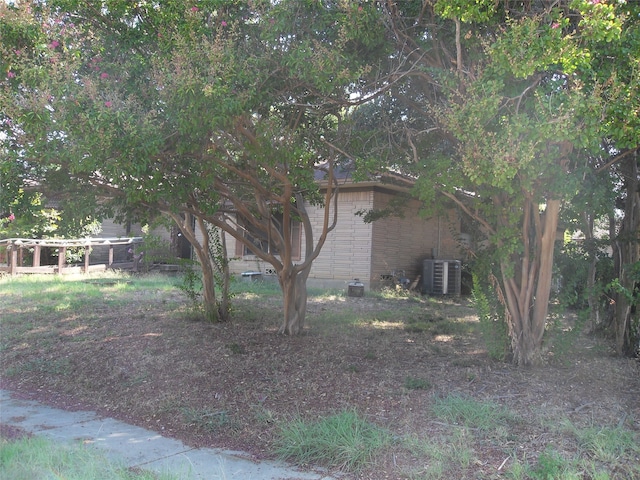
(261, 240)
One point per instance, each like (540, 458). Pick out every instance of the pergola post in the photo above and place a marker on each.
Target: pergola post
(36, 255)
(13, 260)
(62, 254)
(87, 249)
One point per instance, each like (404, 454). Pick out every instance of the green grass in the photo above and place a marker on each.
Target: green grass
(43, 365)
(38, 458)
(51, 294)
(414, 383)
(58, 295)
(472, 423)
(471, 413)
(605, 444)
(442, 455)
(608, 444)
(345, 441)
(595, 453)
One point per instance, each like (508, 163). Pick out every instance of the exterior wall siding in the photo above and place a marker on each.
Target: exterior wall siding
(402, 243)
(346, 253)
(355, 249)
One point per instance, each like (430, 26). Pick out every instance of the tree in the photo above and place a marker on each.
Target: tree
(621, 131)
(493, 116)
(217, 111)
(612, 172)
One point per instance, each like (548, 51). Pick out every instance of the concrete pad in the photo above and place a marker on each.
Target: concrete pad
(228, 467)
(137, 447)
(35, 418)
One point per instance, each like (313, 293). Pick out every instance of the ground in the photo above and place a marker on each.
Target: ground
(138, 356)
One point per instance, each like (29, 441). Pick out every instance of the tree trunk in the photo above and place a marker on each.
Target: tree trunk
(207, 260)
(209, 301)
(212, 253)
(627, 252)
(294, 291)
(545, 271)
(591, 249)
(224, 309)
(527, 312)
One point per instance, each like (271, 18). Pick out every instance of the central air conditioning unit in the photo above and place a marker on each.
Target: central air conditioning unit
(441, 277)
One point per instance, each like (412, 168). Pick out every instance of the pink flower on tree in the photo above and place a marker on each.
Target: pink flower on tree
(11, 217)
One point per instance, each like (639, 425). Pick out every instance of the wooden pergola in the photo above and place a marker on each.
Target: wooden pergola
(14, 249)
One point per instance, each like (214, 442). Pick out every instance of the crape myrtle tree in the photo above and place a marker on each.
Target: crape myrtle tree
(609, 190)
(213, 112)
(494, 115)
(614, 69)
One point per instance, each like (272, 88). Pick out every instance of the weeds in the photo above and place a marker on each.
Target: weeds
(206, 420)
(344, 441)
(550, 466)
(369, 348)
(41, 365)
(491, 314)
(471, 413)
(236, 349)
(600, 451)
(413, 383)
(442, 456)
(606, 444)
(36, 457)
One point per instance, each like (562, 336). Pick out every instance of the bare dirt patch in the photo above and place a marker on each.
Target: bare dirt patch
(138, 356)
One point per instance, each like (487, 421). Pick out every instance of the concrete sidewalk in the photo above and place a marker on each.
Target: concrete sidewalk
(137, 447)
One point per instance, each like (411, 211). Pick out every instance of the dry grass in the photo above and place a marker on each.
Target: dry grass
(131, 348)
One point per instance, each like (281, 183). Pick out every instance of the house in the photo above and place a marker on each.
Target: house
(370, 252)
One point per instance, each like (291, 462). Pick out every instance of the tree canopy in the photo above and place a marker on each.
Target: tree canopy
(498, 110)
(216, 111)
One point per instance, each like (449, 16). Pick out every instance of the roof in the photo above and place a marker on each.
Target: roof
(344, 173)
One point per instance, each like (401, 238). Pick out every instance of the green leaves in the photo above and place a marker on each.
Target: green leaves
(599, 20)
(171, 104)
(466, 11)
(534, 44)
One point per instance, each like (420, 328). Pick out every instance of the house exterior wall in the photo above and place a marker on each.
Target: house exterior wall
(402, 243)
(346, 253)
(164, 233)
(355, 249)
(112, 229)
